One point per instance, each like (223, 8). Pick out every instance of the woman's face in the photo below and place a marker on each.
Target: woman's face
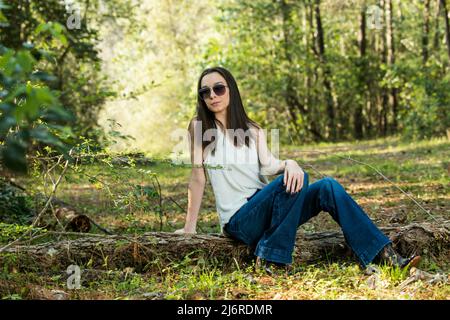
(215, 103)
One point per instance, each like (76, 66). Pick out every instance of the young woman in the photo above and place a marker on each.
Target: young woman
(231, 150)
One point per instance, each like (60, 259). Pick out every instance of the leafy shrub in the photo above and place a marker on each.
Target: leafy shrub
(30, 112)
(15, 207)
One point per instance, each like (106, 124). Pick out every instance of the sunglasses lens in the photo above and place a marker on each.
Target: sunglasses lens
(219, 89)
(204, 93)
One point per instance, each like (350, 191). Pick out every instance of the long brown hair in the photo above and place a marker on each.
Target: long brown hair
(236, 116)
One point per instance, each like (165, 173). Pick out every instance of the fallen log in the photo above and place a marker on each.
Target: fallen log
(70, 218)
(73, 221)
(156, 249)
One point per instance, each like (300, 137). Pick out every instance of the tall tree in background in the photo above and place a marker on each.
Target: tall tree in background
(443, 5)
(385, 53)
(331, 112)
(295, 107)
(425, 31)
(390, 42)
(358, 111)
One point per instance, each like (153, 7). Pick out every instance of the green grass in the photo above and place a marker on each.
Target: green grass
(420, 168)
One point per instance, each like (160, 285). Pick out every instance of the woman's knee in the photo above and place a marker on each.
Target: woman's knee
(332, 186)
(326, 181)
(327, 184)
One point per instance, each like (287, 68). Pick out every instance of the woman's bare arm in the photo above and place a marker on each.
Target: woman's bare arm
(196, 189)
(270, 165)
(197, 183)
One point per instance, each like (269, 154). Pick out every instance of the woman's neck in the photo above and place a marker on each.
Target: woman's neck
(222, 118)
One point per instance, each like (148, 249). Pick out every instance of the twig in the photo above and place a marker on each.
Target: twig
(312, 167)
(9, 181)
(171, 199)
(179, 206)
(56, 217)
(160, 201)
(386, 178)
(99, 227)
(55, 186)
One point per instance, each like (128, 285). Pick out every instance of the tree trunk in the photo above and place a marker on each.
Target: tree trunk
(437, 31)
(425, 31)
(312, 125)
(11, 37)
(313, 78)
(292, 102)
(358, 112)
(390, 42)
(72, 221)
(331, 112)
(68, 218)
(158, 248)
(447, 25)
(383, 117)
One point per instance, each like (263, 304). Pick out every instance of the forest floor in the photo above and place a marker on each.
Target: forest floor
(420, 168)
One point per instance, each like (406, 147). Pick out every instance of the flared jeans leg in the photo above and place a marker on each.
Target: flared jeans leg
(360, 233)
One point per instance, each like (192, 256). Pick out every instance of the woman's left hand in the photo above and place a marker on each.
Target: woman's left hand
(293, 177)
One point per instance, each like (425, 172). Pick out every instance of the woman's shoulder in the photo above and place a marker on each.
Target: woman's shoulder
(193, 123)
(255, 129)
(254, 125)
(193, 119)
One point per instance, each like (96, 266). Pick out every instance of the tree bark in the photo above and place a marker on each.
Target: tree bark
(66, 217)
(358, 112)
(315, 127)
(447, 25)
(331, 112)
(72, 221)
(437, 31)
(290, 94)
(390, 42)
(11, 37)
(382, 123)
(147, 250)
(425, 31)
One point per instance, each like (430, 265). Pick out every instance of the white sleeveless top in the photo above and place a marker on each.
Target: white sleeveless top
(234, 173)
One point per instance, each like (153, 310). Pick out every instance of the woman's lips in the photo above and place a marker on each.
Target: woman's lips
(215, 103)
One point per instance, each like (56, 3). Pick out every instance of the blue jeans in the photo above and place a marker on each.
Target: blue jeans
(270, 218)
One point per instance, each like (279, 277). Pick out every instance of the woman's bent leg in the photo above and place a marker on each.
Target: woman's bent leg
(360, 233)
(278, 241)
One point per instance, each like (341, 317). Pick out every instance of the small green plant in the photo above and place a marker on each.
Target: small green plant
(14, 296)
(10, 232)
(394, 275)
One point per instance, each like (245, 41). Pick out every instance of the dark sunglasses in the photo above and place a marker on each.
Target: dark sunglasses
(219, 90)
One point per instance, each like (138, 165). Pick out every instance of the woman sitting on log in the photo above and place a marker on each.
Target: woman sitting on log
(231, 150)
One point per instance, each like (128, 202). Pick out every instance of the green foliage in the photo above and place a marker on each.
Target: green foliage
(428, 103)
(15, 207)
(30, 110)
(72, 53)
(12, 231)
(272, 48)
